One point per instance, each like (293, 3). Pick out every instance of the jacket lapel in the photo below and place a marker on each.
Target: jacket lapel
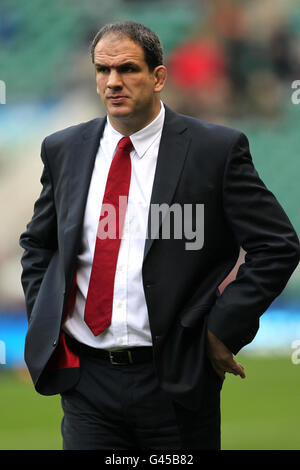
(81, 164)
(171, 157)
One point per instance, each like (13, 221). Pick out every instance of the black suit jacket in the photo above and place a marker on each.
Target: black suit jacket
(198, 163)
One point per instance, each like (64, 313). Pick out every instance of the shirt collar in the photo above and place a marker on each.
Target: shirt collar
(142, 139)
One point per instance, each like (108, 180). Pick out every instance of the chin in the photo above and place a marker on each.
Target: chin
(119, 112)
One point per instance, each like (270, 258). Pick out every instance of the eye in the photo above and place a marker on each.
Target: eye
(128, 68)
(102, 69)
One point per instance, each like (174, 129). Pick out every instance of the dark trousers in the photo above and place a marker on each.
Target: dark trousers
(123, 407)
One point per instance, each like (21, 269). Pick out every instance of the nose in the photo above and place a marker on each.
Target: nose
(114, 79)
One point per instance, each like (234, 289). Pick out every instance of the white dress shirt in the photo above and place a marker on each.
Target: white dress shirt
(130, 323)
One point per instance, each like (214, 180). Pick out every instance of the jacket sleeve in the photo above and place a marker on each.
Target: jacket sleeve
(39, 241)
(264, 231)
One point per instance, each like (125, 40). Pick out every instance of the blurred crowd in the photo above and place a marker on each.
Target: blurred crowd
(227, 59)
(239, 60)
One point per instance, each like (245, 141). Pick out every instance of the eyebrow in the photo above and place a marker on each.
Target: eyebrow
(123, 65)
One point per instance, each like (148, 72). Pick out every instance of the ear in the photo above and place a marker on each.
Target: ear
(97, 89)
(160, 77)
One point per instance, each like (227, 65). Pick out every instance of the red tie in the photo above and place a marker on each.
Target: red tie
(98, 307)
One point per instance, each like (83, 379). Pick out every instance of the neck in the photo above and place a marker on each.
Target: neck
(128, 125)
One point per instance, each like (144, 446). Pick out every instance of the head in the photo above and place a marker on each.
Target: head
(130, 74)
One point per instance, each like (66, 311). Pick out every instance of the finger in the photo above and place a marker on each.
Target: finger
(242, 374)
(231, 367)
(238, 369)
(219, 371)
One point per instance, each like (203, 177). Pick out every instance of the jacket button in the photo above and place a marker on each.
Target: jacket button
(150, 284)
(54, 343)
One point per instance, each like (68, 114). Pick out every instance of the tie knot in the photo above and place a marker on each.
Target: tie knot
(125, 144)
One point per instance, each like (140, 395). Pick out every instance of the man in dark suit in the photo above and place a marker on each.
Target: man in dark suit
(146, 370)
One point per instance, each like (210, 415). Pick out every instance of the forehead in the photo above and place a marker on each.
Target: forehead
(114, 49)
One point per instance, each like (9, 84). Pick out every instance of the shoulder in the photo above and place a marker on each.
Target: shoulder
(72, 133)
(217, 134)
(207, 133)
(209, 127)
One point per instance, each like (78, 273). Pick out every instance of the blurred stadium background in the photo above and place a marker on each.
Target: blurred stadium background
(231, 62)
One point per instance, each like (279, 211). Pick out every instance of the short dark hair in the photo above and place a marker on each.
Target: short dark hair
(139, 33)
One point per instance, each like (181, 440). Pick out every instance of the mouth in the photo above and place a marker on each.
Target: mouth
(117, 99)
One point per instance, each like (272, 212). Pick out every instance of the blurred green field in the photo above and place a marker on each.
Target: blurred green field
(260, 412)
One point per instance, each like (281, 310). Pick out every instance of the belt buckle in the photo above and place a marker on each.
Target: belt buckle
(114, 362)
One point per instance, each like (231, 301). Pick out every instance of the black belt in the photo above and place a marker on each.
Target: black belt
(124, 356)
